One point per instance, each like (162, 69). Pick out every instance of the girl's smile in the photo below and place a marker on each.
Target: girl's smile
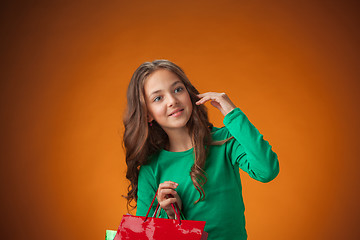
(177, 113)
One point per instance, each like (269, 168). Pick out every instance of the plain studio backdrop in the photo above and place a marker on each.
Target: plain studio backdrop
(291, 66)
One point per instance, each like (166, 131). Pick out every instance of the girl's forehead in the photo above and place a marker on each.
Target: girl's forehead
(161, 79)
(162, 75)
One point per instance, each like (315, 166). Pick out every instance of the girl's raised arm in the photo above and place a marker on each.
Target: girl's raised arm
(250, 151)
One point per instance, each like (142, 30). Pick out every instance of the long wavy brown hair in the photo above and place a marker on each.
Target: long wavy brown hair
(141, 141)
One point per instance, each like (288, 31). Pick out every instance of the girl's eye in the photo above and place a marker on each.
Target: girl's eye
(157, 99)
(179, 89)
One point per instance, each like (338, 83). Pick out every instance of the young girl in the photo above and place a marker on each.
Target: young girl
(173, 149)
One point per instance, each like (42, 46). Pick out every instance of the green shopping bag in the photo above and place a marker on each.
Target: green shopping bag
(110, 235)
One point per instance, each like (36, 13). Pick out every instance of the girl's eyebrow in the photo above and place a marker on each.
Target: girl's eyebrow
(172, 85)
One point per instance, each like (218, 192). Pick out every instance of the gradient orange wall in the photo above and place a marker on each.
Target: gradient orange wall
(292, 67)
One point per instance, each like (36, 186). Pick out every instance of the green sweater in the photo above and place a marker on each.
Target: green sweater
(223, 206)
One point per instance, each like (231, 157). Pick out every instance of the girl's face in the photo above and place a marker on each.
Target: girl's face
(167, 100)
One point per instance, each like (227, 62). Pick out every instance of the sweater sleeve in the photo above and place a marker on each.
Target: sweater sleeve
(146, 191)
(248, 149)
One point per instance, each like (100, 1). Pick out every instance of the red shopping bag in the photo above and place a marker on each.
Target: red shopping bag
(147, 228)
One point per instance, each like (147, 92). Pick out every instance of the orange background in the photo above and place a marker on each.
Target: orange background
(291, 66)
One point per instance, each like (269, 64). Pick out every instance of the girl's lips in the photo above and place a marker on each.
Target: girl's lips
(177, 113)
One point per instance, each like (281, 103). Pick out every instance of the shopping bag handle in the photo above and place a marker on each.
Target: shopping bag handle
(157, 207)
(174, 206)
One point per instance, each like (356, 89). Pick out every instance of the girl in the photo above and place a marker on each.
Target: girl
(173, 149)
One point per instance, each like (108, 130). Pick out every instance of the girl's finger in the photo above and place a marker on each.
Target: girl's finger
(205, 94)
(168, 184)
(166, 203)
(205, 99)
(165, 192)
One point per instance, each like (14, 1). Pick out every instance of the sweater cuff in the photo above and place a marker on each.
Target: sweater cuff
(231, 115)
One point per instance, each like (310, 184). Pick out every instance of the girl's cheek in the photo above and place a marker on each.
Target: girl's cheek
(160, 110)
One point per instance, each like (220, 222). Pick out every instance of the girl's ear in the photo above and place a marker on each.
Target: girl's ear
(150, 118)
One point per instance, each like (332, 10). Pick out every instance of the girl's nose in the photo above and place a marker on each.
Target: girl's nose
(172, 100)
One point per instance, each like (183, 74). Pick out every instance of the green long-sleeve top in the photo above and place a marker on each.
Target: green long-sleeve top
(223, 206)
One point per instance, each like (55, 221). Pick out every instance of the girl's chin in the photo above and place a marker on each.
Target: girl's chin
(172, 127)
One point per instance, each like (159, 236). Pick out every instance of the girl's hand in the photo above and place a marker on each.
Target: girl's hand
(166, 196)
(219, 100)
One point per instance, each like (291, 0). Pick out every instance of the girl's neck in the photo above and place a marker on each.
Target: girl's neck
(179, 141)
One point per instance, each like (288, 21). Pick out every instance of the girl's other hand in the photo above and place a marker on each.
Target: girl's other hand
(219, 100)
(166, 196)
